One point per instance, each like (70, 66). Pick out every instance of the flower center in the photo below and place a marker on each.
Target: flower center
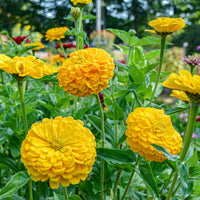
(56, 143)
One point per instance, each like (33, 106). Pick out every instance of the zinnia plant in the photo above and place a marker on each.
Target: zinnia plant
(83, 2)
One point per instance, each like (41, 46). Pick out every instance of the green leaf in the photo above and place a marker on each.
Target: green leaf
(17, 181)
(194, 171)
(13, 197)
(148, 68)
(115, 112)
(58, 196)
(174, 110)
(91, 17)
(166, 153)
(96, 122)
(123, 66)
(123, 35)
(116, 155)
(147, 174)
(136, 74)
(9, 162)
(74, 197)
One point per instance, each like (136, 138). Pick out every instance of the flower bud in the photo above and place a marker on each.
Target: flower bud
(75, 12)
(132, 32)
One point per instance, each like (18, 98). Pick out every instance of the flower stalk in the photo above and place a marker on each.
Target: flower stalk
(21, 92)
(102, 143)
(162, 48)
(189, 131)
(62, 49)
(130, 180)
(2, 79)
(65, 193)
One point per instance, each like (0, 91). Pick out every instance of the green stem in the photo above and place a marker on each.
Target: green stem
(130, 180)
(30, 190)
(116, 182)
(166, 184)
(62, 49)
(21, 92)
(188, 137)
(75, 105)
(102, 143)
(162, 48)
(116, 134)
(80, 28)
(77, 31)
(38, 190)
(65, 193)
(130, 51)
(2, 79)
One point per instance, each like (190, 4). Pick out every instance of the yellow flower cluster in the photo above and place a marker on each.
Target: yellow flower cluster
(166, 25)
(61, 150)
(38, 44)
(57, 59)
(25, 66)
(75, 2)
(146, 126)
(86, 72)
(56, 33)
(186, 83)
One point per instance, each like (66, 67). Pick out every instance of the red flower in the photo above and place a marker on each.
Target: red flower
(68, 45)
(101, 99)
(20, 39)
(198, 119)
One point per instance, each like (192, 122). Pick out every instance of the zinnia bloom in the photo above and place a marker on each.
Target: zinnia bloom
(166, 25)
(20, 39)
(57, 59)
(186, 83)
(192, 61)
(38, 44)
(25, 66)
(86, 72)
(146, 126)
(61, 150)
(56, 33)
(179, 94)
(75, 2)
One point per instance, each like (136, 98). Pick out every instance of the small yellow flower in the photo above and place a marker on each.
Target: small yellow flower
(28, 27)
(106, 108)
(19, 25)
(86, 72)
(61, 150)
(56, 33)
(185, 82)
(179, 94)
(38, 44)
(166, 25)
(25, 66)
(146, 126)
(75, 2)
(57, 59)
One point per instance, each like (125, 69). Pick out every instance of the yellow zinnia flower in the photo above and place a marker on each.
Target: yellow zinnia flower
(25, 66)
(166, 25)
(185, 82)
(57, 59)
(75, 2)
(86, 72)
(56, 33)
(38, 44)
(61, 150)
(179, 94)
(146, 126)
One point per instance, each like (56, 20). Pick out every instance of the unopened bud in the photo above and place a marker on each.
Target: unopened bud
(75, 12)
(132, 32)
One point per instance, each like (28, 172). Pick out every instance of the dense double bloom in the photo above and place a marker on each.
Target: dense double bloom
(146, 126)
(166, 25)
(38, 45)
(25, 66)
(56, 33)
(61, 150)
(186, 83)
(20, 39)
(75, 2)
(86, 72)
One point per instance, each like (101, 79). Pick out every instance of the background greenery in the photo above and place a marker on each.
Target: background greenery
(121, 14)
